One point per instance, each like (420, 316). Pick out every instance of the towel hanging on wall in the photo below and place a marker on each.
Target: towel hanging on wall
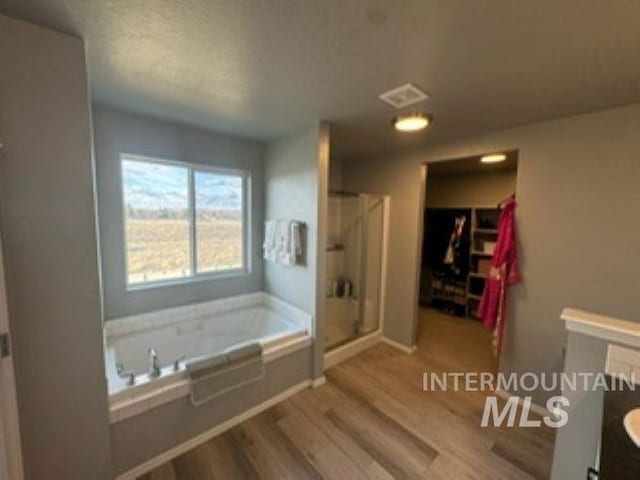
(283, 241)
(269, 245)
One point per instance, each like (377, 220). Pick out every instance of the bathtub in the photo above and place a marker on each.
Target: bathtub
(189, 332)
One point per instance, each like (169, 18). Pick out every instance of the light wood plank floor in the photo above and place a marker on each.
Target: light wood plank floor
(455, 342)
(373, 421)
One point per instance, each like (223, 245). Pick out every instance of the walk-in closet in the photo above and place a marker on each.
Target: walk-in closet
(463, 200)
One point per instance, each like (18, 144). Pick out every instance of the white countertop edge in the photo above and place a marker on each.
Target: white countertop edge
(603, 327)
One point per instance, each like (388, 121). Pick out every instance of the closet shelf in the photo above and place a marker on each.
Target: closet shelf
(479, 253)
(478, 275)
(474, 296)
(493, 231)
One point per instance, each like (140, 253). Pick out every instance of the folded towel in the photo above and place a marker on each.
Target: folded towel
(269, 245)
(212, 376)
(283, 241)
(205, 366)
(235, 376)
(296, 239)
(292, 245)
(244, 352)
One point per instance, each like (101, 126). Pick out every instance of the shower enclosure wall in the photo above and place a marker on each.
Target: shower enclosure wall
(354, 266)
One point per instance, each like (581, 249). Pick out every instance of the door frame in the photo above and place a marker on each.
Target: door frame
(11, 464)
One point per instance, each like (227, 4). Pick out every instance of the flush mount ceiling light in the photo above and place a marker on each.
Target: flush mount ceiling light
(412, 122)
(493, 158)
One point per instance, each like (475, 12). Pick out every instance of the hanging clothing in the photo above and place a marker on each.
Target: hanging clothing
(502, 274)
(452, 255)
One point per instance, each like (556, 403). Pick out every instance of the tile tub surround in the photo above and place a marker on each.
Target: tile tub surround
(280, 328)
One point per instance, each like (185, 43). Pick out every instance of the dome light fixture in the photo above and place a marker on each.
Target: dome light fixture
(493, 158)
(412, 122)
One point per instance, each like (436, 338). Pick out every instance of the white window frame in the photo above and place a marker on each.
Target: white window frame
(192, 169)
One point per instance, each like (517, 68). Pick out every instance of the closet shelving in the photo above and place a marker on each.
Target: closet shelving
(442, 286)
(459, 293)
(480, 253)
(484, 234)
(477, 275)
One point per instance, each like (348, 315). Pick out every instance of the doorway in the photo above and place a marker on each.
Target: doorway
(460, 231)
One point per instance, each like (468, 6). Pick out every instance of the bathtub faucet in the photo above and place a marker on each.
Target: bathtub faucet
(153, 369)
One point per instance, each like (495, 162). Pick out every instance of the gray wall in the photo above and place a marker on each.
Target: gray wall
(291, 192)
(578, 193)
(118, 132)
(144, 436)
(480, 189)
(296, 179)
(49, 239)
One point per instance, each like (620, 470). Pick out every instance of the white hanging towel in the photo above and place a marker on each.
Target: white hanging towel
(294, 246)
(296, 239)
(283, 241)
(269, 245)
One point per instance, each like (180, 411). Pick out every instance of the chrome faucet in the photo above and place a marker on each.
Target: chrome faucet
(176, 364)
(129, 376)
(153, 369)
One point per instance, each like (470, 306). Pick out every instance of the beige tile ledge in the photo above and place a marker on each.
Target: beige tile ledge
(603, 327)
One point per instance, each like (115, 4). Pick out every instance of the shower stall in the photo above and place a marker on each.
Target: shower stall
(354, 266)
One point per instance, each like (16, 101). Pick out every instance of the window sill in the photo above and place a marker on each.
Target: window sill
(204, 277)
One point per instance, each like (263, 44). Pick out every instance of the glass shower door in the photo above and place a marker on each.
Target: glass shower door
(371, 274)
(354, 266)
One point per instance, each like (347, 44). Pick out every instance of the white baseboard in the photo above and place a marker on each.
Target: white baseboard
(537, 409)
(350, 349)
(408, 350)
(209, 434)
(318, 382)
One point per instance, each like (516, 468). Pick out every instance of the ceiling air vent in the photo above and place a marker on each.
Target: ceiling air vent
(404, 96)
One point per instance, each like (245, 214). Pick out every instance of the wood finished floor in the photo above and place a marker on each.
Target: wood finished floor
(373, 421)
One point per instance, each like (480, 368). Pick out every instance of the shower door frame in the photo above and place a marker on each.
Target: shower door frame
(360, 343)
(365, 210)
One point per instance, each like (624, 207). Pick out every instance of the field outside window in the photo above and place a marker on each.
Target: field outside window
(181, 221)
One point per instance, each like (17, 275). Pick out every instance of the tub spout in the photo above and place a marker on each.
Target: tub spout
(153, 369)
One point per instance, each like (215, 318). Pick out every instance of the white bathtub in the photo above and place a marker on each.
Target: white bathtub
(189, 332)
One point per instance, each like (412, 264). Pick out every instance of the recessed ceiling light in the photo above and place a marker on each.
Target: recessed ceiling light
(412, 122)
(493, 158)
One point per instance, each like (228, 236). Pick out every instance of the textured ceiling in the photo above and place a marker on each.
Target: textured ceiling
(265, 68)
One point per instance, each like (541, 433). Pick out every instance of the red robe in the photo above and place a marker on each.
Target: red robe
(503, 273)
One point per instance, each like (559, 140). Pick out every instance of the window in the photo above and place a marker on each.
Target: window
(182, 221)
